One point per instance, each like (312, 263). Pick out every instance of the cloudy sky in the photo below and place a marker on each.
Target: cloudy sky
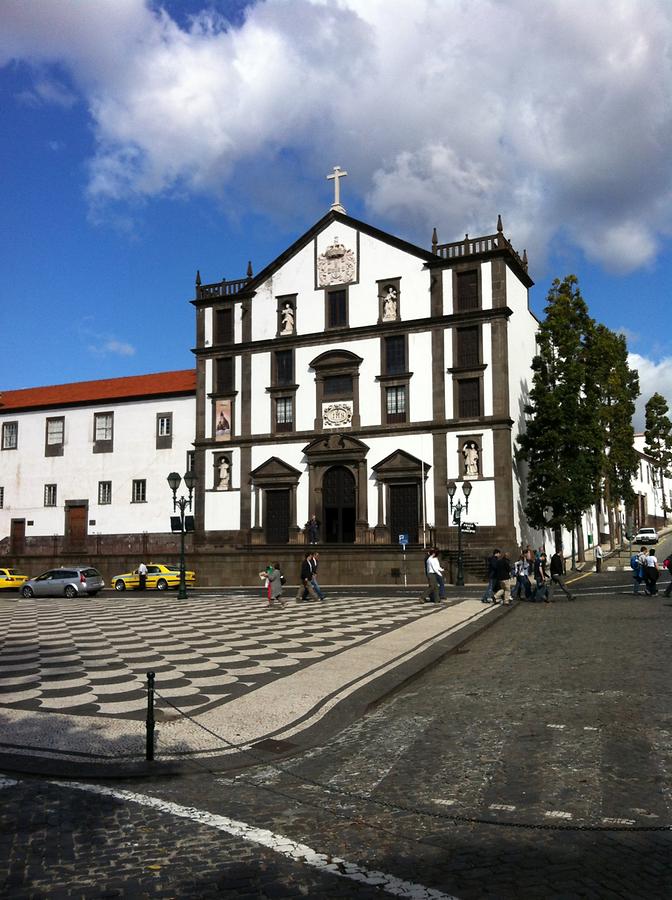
(143, 140)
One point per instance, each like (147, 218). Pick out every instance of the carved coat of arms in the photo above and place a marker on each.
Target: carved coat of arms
(336, 265)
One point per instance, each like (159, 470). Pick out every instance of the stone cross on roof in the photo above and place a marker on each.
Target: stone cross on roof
(337, 188)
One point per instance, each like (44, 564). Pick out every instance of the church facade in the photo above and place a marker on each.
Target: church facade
(363, 380)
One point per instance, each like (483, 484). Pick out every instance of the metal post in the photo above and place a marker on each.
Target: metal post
(182, 592)
(404, 555)
(459, 580)
(149, 749)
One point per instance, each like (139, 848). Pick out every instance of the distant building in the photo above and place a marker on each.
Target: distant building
(91, 458)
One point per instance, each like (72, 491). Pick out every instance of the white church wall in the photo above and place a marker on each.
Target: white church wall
(207, 411)
(369, 389)
(447, 288)
(419, 354)
(222, 510)
(304, 412)
(448, 359)
(486, 285)
(487, 374)
(208, 327)
(260, 418)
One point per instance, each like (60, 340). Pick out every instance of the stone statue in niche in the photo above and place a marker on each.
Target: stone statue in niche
(470, 454)
(287, 318)
(390, 304)
(224, 474)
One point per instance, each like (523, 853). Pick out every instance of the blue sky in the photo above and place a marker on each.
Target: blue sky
(143, 141)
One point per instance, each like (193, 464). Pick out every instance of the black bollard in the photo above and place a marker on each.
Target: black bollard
(149, 750)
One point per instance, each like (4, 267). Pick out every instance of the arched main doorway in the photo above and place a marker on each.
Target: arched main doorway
(339, 498)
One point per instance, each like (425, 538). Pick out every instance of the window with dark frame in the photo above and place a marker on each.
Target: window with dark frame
(223, 326)
(337, 309)
(284, 414)
(104, 493)
(284, 367)
(139, 491)
(103, 427)
(2, 498)
(467, 290)
(55, 431)
(395, 404)
(395, 354)
(224, 375)
(338, 386)
(50, 495)
(469, 398)
(10, 435)
(468, 347)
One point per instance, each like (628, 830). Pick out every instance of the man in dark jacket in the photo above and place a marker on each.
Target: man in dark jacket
(503, 579)
(306, 588)
(557, 568)
(491, 564)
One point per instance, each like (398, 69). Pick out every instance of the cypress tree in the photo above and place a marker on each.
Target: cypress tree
(562, 442)
(613, 388)
(658, 441)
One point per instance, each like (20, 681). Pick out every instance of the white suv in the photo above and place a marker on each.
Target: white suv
(646, 536)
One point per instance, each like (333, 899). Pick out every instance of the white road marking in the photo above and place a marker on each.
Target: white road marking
(7, 782)
(618, 821)
(556, 726)
(503, 806)
(557, 814)
(444, 802)
(590, 728)
(331, 865)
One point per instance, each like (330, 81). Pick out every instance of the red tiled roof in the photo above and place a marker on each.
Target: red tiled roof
(88, 392)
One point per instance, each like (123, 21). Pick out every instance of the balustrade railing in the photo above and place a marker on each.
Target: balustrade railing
(472, 246)
(220, 289)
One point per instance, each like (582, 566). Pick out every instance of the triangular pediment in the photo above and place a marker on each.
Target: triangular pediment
(336, 445)
(400, 464)
(275, 470)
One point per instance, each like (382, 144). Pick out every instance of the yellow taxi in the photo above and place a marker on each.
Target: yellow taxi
(11, 580)
(159, 577)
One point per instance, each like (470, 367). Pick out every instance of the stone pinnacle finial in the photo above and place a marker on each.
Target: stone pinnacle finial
(249, 268)
(435, 240)
(198, 277)
(525, 259)
(500, 227)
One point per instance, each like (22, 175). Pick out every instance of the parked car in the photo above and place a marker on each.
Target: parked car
(646, 536)
(11, 580)
(70, 582)
(159, 577)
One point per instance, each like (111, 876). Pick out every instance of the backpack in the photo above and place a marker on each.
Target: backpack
(634, 562)
(282, 578)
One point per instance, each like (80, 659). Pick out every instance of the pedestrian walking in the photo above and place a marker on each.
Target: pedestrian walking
(651, 573)
(667, 564)
(314, 560)
(433, 570)
(275, 579)
(503, 580)
(598, 558)
(557, 571)
(541, 579)
(521, 587)
(638, 564)
(306, 590)
(142, 576)
(491, 574)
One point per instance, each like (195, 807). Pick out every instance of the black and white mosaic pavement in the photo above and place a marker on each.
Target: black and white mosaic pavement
(90, 657)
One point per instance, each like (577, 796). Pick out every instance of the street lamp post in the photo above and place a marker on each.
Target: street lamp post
(182, 504)
(457, 509)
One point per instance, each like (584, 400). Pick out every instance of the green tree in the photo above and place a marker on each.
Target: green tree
(658, 440)
(613, 387)
(562, 441)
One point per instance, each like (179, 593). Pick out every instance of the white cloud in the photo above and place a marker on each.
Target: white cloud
(654, 377)
(555, 114)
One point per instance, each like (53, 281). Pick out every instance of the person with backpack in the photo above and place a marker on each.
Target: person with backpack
(637, 563)
(651, 573)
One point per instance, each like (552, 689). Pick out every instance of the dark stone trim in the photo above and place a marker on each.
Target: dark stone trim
(53, 449)
(164, 441)
(498, 283)
(503, 254)
(439, 450)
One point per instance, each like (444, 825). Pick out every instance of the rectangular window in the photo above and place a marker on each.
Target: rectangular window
(103, 432)
(164, 431)
(469, 398)
(224, 326)
(395, 403)
(2, 498)
(467, 291)
(55, 437)
(104, 493)
(395, 355)
(468, 347)
(50, 495)
(139, 494)
(224, 375)
(284, 414)
(337, 312)
(284, 367)
(338, 386)
(10, 435)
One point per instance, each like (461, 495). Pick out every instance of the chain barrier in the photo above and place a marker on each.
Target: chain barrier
(454, 818)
